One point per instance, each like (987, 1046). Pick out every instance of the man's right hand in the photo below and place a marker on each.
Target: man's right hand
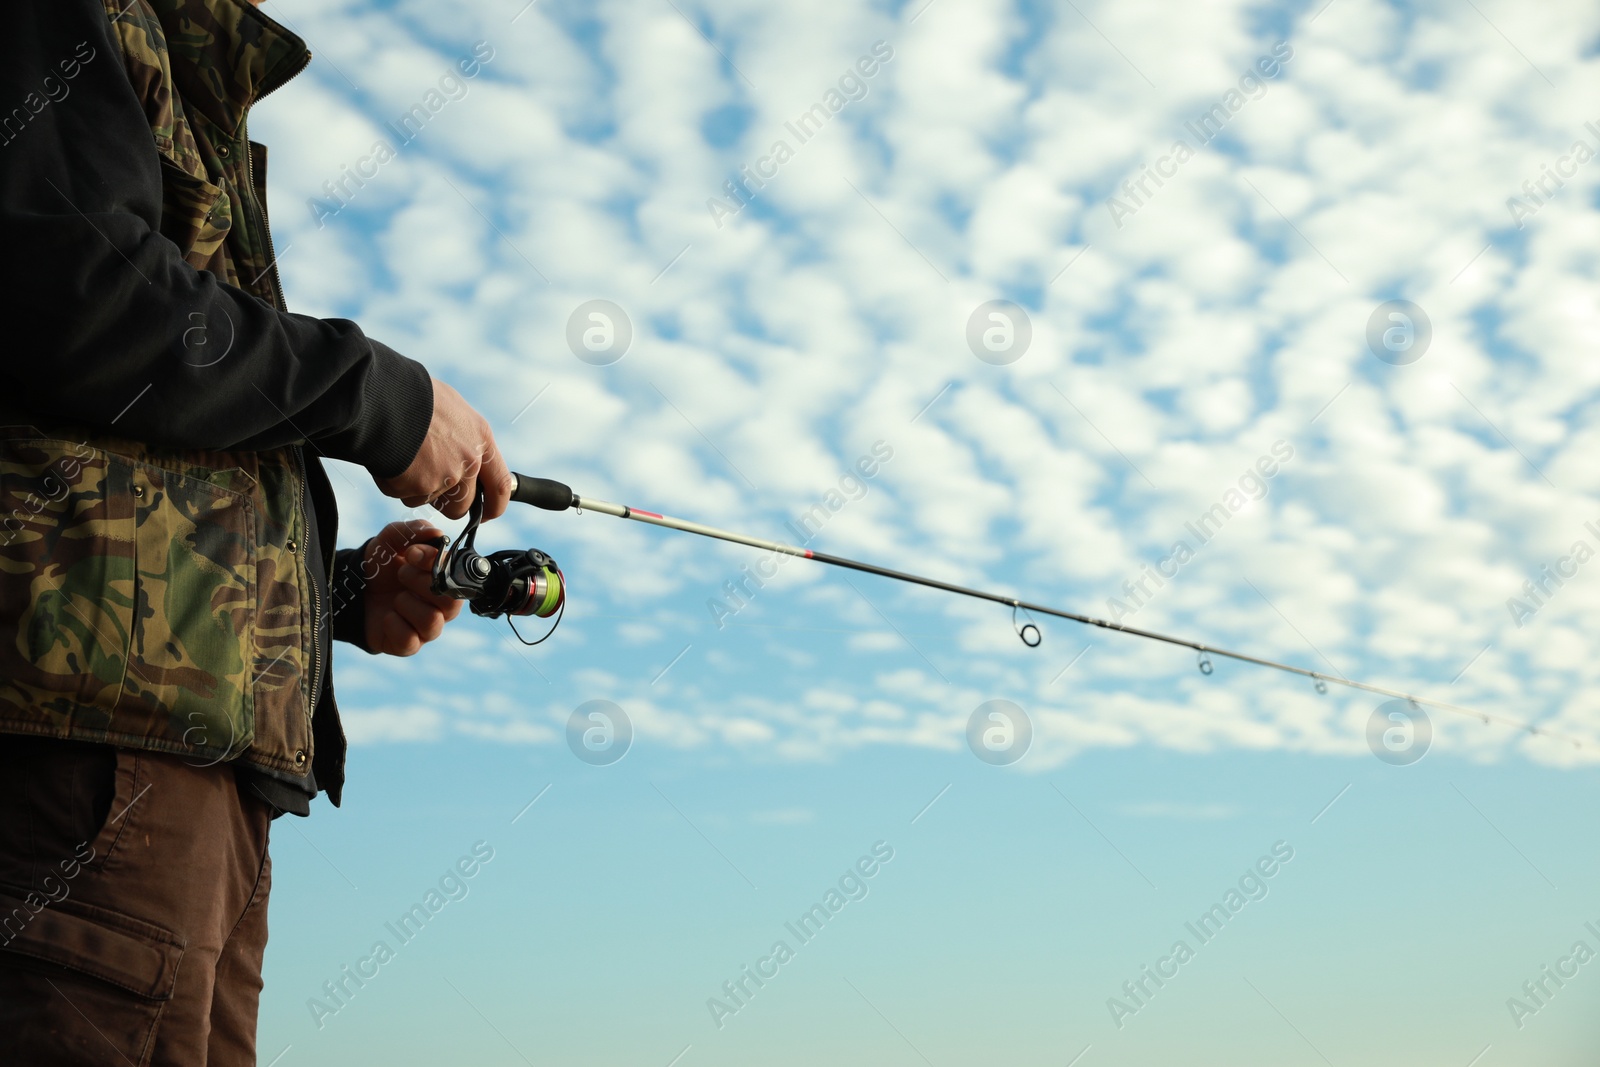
(458, 454)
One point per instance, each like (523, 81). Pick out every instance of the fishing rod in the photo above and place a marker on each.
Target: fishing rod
(538, 588)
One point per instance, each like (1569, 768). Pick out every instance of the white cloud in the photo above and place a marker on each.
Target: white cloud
(1221, 317)
(365, 725)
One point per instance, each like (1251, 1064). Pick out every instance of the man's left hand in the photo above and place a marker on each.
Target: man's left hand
(403, 614)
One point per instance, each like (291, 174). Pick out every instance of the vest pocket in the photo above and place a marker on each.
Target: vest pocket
(66, 579)
(189, 664)
(283, 646)
(196, 214)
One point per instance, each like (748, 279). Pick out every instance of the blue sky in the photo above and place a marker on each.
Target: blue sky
(1187, 336)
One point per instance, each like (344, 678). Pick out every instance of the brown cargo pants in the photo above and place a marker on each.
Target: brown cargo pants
(133, 908)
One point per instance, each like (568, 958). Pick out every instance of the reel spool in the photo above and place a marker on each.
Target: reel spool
(512, 583)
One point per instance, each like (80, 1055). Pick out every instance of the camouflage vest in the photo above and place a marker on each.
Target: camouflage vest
(154, 598)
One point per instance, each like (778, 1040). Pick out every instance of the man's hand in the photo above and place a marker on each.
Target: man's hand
(402, 614)
(458, 454)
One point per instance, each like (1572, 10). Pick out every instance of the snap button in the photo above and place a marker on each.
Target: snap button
(223, 150)
(300, 758)
(291, 546)
(138, 491)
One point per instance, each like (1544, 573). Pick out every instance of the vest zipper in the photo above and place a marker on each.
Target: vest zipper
(258, 201)
(316, 593)
(260, 196)
(301, 63)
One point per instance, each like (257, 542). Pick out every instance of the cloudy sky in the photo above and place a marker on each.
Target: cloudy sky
(1200, 220)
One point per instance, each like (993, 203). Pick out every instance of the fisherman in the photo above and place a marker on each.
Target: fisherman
(169, 583)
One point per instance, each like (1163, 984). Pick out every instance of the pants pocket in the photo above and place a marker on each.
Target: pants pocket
(130, 784)
(80, 984)
(55, 798)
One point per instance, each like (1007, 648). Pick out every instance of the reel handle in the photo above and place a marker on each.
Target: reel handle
(543, 493)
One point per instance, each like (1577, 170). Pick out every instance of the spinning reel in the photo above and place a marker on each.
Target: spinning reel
(512, 582)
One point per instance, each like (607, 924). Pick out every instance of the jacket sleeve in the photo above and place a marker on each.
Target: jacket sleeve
(348, 592)
(101, 306)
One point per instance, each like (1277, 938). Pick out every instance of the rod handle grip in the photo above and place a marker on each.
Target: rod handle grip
(543, 493)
